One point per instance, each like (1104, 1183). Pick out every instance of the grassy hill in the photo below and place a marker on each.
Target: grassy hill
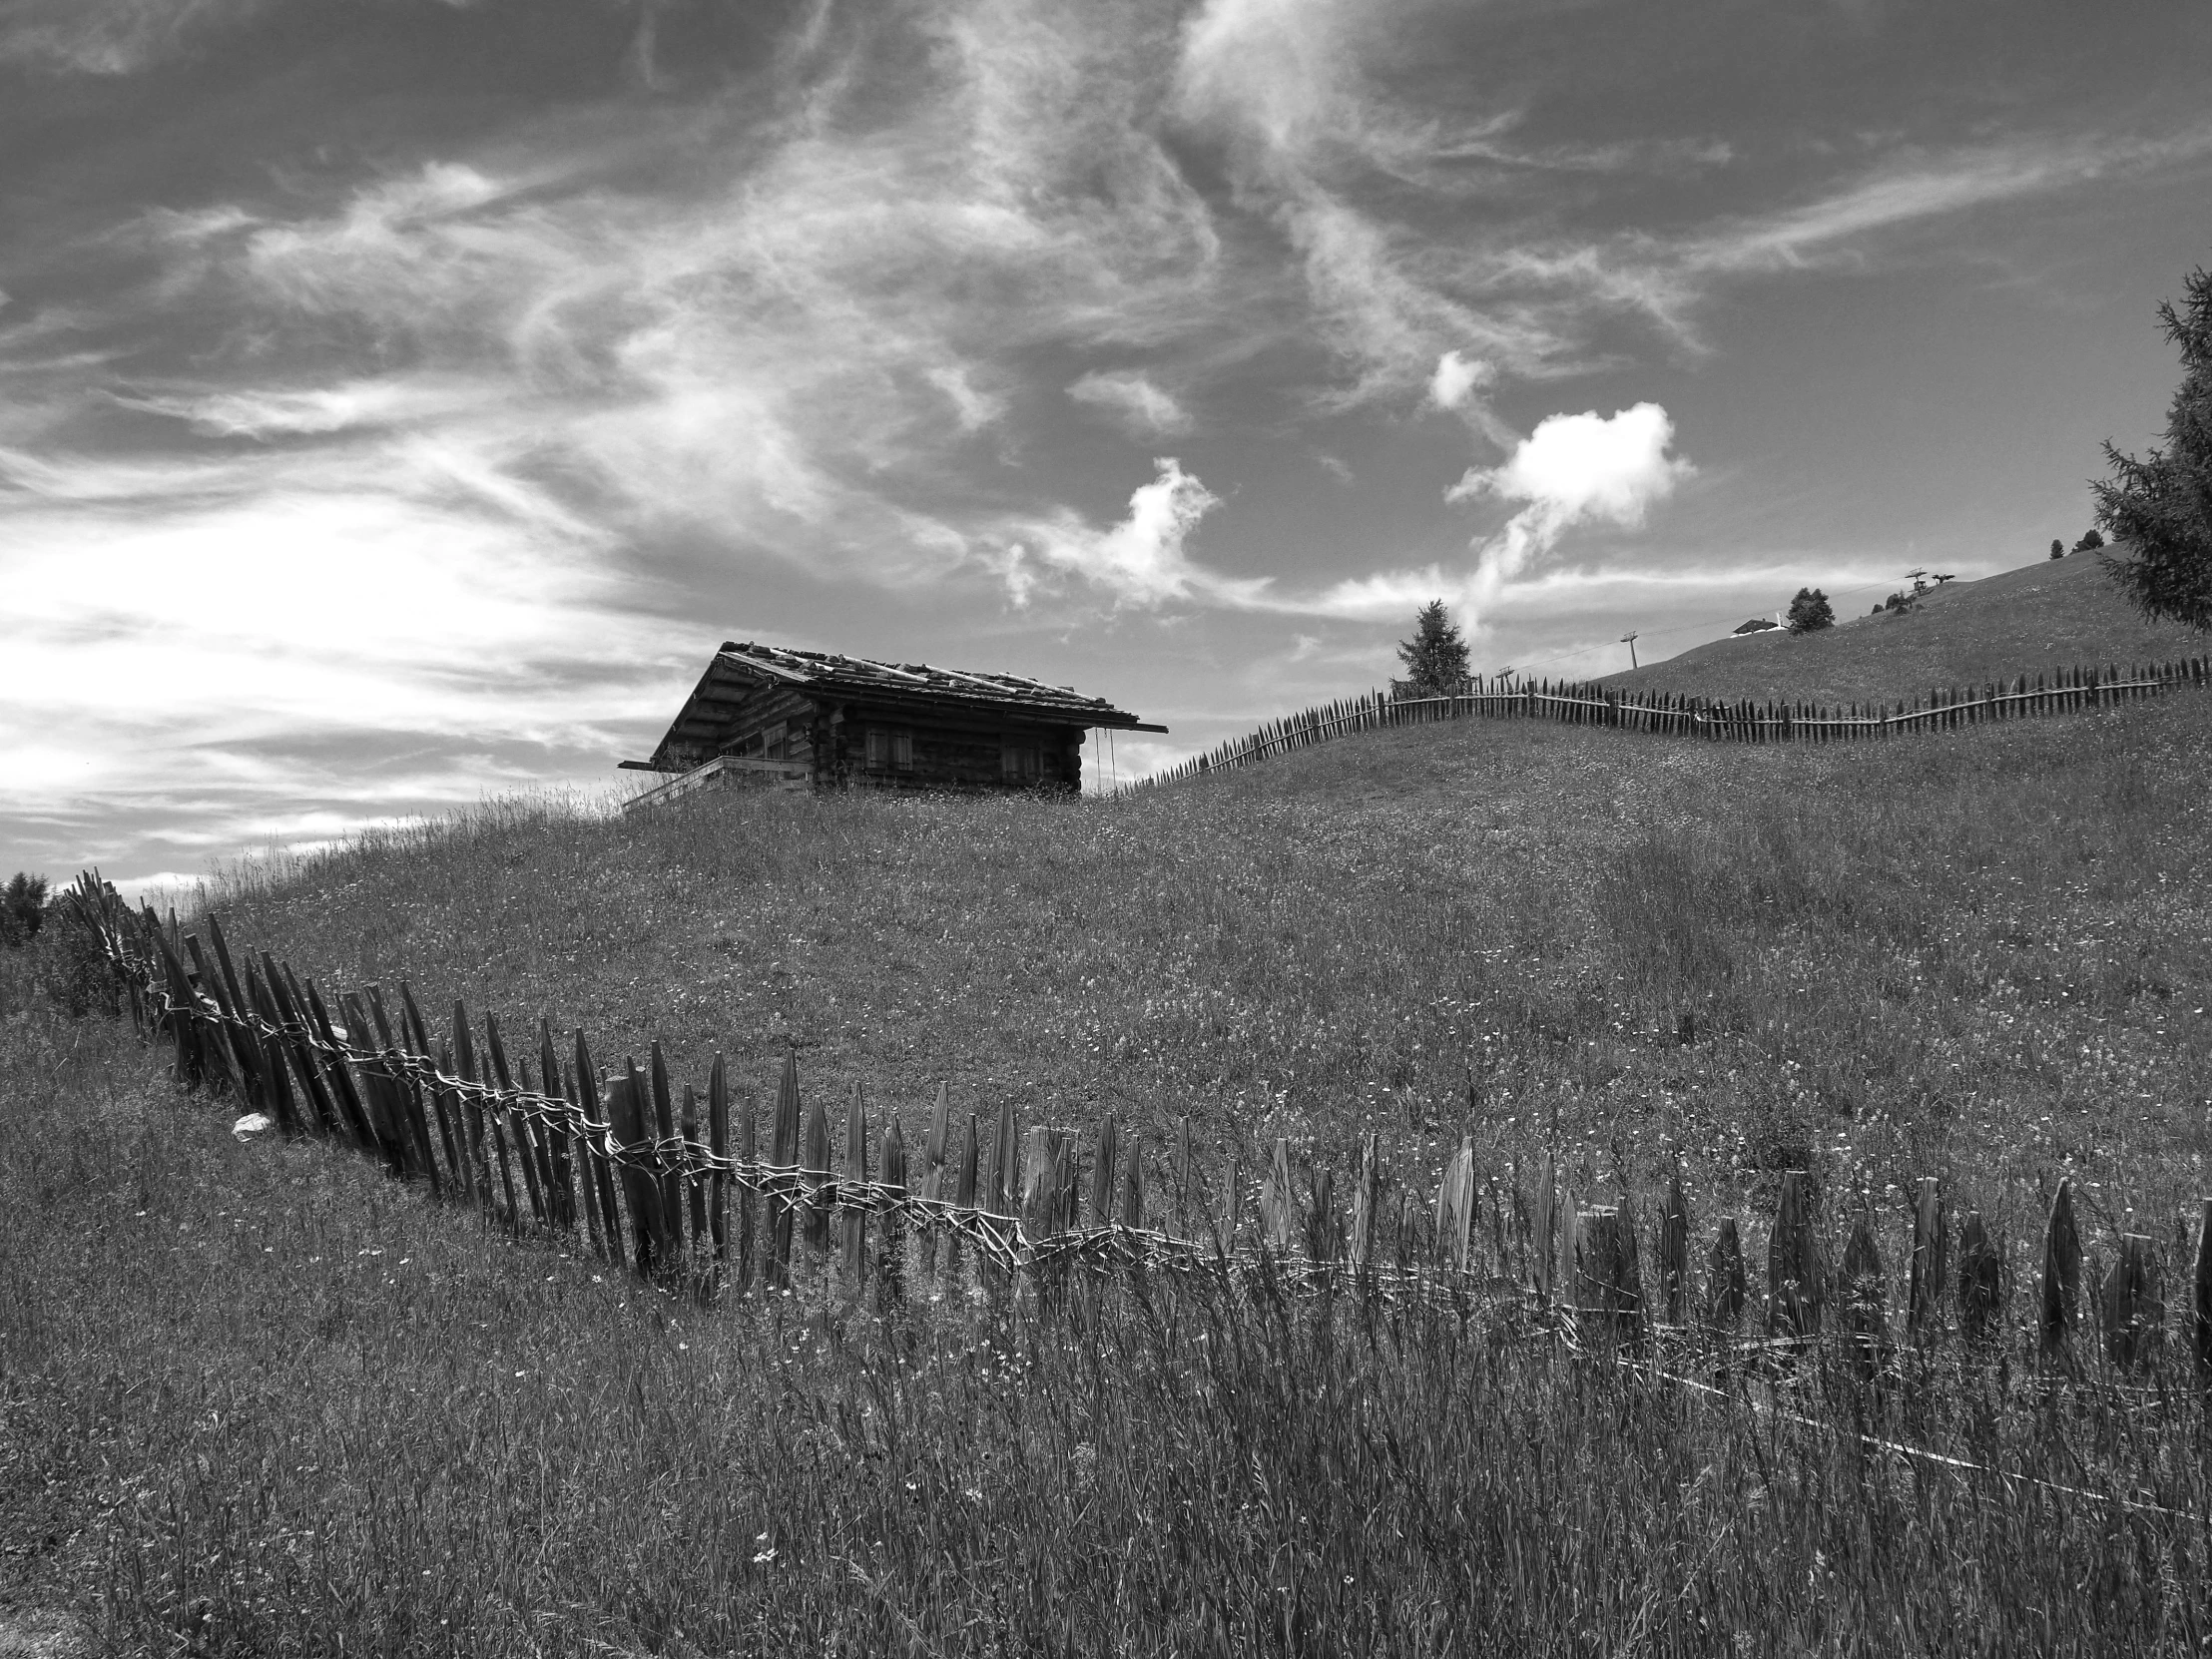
(2059, 612)
(257, 1400)
(1481, 928)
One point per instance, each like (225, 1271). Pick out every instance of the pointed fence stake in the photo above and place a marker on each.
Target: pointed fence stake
(1930, 1267)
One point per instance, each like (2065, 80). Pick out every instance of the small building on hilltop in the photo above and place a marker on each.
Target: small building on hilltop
(815, 720)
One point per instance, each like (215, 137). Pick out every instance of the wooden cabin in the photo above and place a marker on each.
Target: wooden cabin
(765, 715)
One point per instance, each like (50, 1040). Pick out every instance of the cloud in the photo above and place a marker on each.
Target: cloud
(122, 37)
(976, 407)
(1456, 379)
(1134, 400)
(1281, 81)
(1914, 188)
(763, 347)
(213, 658)
(1141, 560)
(113, 37)
(1573, 470)
(313, 412)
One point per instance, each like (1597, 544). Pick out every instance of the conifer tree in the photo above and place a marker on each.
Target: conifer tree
(22, 908)
(1435, 658)
(2160, 506)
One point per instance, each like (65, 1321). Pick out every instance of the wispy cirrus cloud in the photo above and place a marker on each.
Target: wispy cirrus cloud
(1916, 187)
(1135, 400)
(113, 37)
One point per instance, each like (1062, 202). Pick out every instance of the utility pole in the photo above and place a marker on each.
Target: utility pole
(1629, 639)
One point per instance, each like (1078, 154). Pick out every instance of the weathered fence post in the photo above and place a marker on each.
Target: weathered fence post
(699, 1252)
(1546, 1225)
(603, 1218)
(626, 1116)
(1323, 1233)
(1040, 1211)
(1363, 1210)
(717, 1147)
(815, 1173)
(963, 1198)
(1795, 1286)
(852, 1220)
(2200, 1296)
(1455, 1206)
(783, 1156)
(935, 1148)
(1277, 1205)
(1183, 1177)
(1980, 1282)
(891, 1231)
(668, 1161)
(2058, 1306)
(1104, 1168)
(1609, 1293)
(1865, 1317)
(1726, 1290)
(1673, 1255)
(2133, 1314)
(561, 1136)
(1924, 1317)
(748, 1191)
(1004, 1193)
(525, 1146)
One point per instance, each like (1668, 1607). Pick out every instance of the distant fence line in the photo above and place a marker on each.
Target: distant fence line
(614, 1156)
(1590, 703)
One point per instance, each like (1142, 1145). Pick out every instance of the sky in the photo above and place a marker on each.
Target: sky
(399, 399)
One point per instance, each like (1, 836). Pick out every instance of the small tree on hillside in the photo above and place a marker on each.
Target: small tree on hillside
(1435, 658)
(1809, 612)
(2057, 548)
(22, 908)
(2161, 505)
(2090, 541)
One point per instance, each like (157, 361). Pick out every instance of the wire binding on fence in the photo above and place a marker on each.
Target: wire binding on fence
(262, 1032)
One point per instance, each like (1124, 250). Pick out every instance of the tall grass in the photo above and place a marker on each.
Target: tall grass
(1981, 955)
(261, 1401)
(258, 1400)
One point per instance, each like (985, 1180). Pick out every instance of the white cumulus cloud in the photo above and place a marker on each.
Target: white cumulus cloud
(1456, 379)
(1574, 469)
(1140, 561)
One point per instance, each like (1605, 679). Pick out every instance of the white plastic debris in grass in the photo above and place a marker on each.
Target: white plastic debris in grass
(253, 1126)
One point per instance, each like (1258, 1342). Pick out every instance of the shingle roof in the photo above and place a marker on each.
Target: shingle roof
(835, 672)
(739, 666)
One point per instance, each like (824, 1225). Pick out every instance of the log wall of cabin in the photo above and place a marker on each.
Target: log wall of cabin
(952, 749)
(776, 723)
(948, 748)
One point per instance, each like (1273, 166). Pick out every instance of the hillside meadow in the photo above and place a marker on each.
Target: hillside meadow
(260, 1400)
(1978, 954)
(2050, 615)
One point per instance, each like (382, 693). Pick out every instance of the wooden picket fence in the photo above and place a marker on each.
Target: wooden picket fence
(1667, 714)
(628, 1162)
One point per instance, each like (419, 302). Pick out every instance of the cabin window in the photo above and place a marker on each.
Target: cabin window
(778, 740)
(1018, 762)
(890, 750)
